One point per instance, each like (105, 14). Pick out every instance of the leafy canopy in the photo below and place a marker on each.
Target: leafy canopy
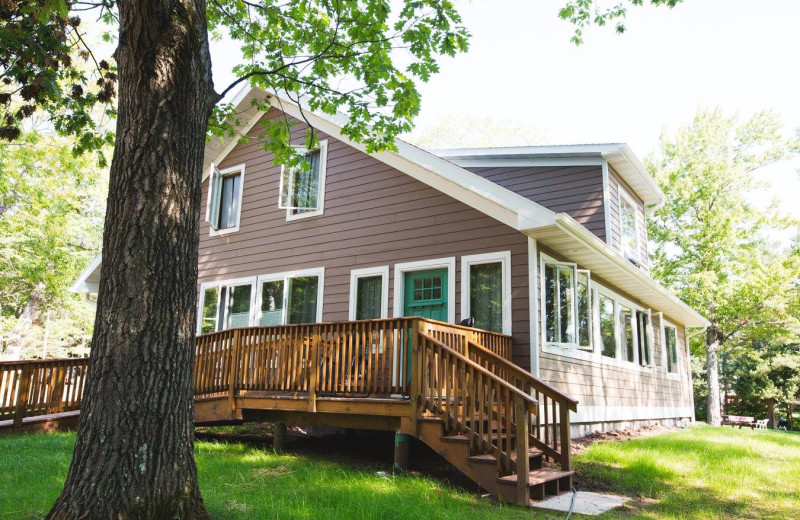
(584, 13)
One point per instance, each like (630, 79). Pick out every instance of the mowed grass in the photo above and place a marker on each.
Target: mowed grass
(700, 473)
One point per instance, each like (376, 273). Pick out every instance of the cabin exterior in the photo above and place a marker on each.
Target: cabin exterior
(547, 245)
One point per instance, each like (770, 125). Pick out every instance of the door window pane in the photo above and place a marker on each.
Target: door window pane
(486, 295)
(239, 309)
(210, 309)
(607, 324)
(271, 303)
(303, 299)
(368, 297)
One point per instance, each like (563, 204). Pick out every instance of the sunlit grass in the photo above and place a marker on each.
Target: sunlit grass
(700, 473)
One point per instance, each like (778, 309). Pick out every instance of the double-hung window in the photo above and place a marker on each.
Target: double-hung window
(486, 290)
(629, 225)
(566, 305)
(645, 340)
(226, 305)
(670, 340)
(369, 293)
(302, 186)
(224, 205)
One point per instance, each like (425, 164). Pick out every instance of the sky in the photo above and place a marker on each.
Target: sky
(740, 55)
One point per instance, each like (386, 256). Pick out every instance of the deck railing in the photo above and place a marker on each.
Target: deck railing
(550, 430)
(495, 415)
(40, 387)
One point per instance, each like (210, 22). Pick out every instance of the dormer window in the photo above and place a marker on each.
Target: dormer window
(224, 206)
(302, 189)
(629, 226)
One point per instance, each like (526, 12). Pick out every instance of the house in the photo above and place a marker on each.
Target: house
(544, 245)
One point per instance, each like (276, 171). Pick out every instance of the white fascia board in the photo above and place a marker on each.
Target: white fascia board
(485, 196)
(82, 285)
(565, 150)
(631, 169)
(569, 225)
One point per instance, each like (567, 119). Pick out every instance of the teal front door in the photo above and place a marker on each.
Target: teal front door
(426, 294)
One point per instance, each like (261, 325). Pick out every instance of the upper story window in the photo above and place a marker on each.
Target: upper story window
(629, 225)
(486, 290)
(224, 206)
(302, 189)
(567, 305)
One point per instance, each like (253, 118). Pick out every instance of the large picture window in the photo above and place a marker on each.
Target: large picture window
(486, 290)
(302, 187)
(224, 205)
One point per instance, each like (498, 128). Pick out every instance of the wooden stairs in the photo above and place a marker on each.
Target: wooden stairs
(483, 469)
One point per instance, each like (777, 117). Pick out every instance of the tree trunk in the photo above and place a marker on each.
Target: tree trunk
(714, 416)
(133, 456)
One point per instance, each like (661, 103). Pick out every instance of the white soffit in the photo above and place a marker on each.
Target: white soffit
(89, 280)
(579, 245)
(619, 156)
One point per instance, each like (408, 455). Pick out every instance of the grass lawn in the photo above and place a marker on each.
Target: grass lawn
(700, 473)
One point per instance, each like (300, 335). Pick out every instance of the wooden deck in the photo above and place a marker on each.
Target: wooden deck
(452, 387)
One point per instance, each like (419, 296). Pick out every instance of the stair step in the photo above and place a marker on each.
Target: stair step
(491, 459)
(430, 420)
(538, 476)
(455, 438)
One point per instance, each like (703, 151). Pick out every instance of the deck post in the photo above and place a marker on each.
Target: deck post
(232, 372)
(522, 417)
(416, 375)
(22, 395)
(313, 370)
(279, 437)
(566, 456)
(401, 441)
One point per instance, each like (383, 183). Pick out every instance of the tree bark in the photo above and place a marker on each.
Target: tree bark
(133, 456)
(714, 414)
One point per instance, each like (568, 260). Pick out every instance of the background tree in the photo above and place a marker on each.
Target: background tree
(711, 245)
(133, 456)
(51, 214)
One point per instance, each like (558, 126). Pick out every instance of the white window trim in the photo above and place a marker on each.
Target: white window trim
(555, 346)
(504, 257)
(236, 282)
(285, 276)
(423, 265)
(637, 254)
(216, 232)
(676, 375)
(323, 167)
(596, 356)
(355, 274)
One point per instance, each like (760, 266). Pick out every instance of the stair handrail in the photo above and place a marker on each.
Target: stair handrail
(509, 407)
(539, 435)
